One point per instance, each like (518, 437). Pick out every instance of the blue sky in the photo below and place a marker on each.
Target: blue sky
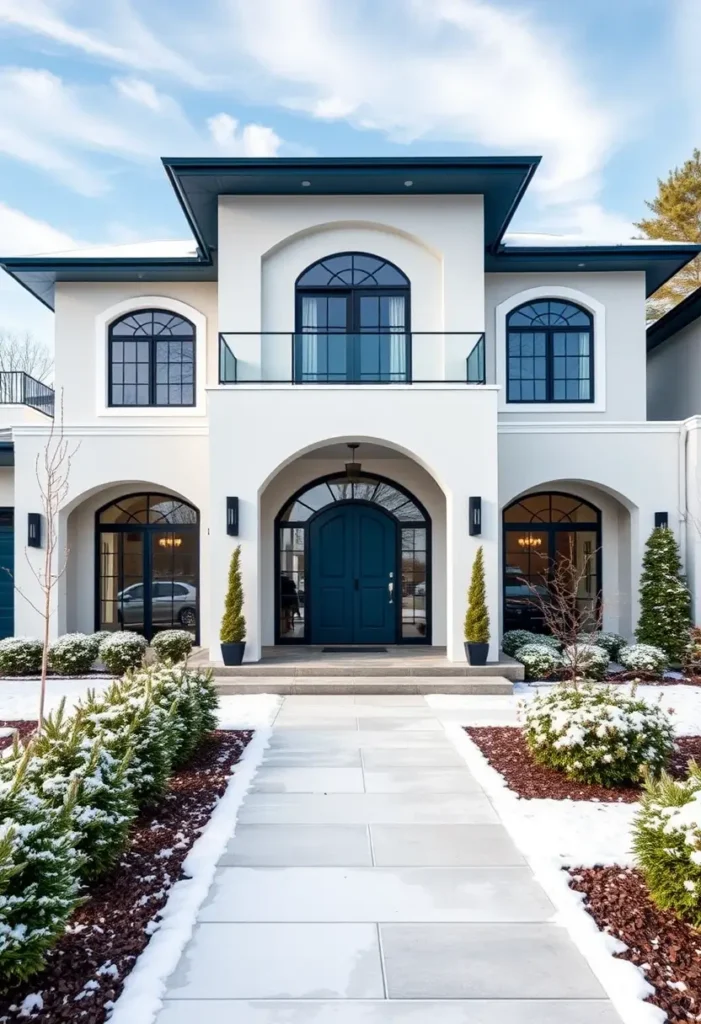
(93, 93)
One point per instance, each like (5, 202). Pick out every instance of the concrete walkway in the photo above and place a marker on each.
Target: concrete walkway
(371, 882)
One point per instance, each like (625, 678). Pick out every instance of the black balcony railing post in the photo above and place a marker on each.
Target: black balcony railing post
(19, 388)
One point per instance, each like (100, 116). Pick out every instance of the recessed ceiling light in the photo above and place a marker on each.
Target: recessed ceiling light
(408, 183)
(306, 184)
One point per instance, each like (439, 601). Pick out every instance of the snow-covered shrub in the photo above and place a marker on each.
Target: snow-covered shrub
(72, 654)
(539, 660)
(598, 734)
(643, 658)
(667, 843)
(122, 650)
(586, 660)
(611, 642)
(193, 699)
(515, 638)
(62, 758)
(20, 656)
(172, 644)
(131, 724)
(38, 876)
(97, 638)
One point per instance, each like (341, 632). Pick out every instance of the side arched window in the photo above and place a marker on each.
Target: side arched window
(151, 360)
(549, 353)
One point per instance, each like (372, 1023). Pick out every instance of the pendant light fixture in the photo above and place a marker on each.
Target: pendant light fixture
(353, 468)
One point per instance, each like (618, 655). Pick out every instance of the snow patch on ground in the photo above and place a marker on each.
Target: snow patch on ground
(19, 698)
(553, 834)
(142, 996)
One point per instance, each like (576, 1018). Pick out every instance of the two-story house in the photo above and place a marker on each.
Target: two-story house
(352, 373)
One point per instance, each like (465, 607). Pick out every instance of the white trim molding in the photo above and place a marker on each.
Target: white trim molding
(554, 291)
(133, 304)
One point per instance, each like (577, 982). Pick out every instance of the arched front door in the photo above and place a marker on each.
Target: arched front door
(353, 576)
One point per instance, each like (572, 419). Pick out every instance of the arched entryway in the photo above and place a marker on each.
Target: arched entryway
(539, 530)
(352, 564)
(147, 564)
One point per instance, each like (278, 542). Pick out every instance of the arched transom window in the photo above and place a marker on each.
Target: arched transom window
(550, 353)
(151, 359)
(352, 321)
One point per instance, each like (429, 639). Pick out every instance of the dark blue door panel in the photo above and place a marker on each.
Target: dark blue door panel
(7, 587)
(352, 562)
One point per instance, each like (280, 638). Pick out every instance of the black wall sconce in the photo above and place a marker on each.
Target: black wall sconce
(33, 530)
(661, 520)
(475, 517)
(232, 517)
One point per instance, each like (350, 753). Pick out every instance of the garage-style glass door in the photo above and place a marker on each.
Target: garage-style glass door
(148, 565)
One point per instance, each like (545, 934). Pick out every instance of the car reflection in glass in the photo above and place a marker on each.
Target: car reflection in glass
(173, 603)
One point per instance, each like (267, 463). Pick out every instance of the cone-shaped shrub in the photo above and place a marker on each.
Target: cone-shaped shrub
(190, 696)
(477, 616)
(63, 758)
(233, 624)
(664, 598)
(38, 875)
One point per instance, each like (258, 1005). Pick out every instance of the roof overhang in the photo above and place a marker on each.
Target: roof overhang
(657, 262)
(199, 183)
(679, 317)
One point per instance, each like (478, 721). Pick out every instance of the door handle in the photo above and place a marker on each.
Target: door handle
(390, 587)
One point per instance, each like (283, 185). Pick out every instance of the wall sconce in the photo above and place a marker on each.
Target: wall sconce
(33, 530)
(661, 520)
(475, 517)
(232, 517)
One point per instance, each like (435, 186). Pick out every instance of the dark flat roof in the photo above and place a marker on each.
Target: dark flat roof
(679, 317)
(501, 180)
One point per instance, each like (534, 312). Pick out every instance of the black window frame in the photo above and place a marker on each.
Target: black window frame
(551, 331)
(152, 340)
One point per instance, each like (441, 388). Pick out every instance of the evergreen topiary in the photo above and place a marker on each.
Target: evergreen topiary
(233, 623)
(539, 660)
(477, 616)
(72, 654)
(38, 875)
(664, 598)
(611, 642)
(20, 656)
(123, 650)
(586, 661)
(643, 658)
(667, 843)
(515, 638)
(61, 759)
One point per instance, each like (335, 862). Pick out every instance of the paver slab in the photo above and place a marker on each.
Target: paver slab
(420, 780)
(298, 845)
(308, 780)
(365, 808)
(458, 845)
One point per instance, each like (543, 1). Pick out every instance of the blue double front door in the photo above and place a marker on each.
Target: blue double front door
(353, 574)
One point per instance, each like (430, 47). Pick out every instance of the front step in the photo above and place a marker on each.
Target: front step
(341, 685)
(328, 669)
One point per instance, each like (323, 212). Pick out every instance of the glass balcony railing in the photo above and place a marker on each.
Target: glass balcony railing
(336, 357)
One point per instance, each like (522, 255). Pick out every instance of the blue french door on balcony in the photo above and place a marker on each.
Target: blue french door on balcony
(353, 563)
(352, 337)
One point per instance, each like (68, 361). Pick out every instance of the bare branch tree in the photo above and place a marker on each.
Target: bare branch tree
(22, 351)
(565, 614)
(52, 468)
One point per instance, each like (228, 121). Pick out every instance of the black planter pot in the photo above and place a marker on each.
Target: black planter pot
(477, 653)
(232, 654)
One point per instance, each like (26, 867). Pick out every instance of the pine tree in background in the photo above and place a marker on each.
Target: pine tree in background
(233, 624)
(677, 218)
(477, 616)
(665, 607)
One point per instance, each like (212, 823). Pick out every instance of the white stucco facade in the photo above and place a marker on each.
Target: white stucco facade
(442, 441)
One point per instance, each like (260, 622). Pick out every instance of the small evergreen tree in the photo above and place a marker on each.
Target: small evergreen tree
(63, 758)
(665, 606)
(233, 624)
(676, 217)
(38, 875)
(477, 616)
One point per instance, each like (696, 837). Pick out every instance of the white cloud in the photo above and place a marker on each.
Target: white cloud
(251, 140)
(22, 235)
(139, 91)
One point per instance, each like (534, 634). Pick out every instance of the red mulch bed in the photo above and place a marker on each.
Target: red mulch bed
(667, 950)
(505, 748)
(23, 727)
(110, 930)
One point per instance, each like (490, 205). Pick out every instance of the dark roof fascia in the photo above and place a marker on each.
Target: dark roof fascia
(675, 320)
(7, 453)
(559, 258)
(211, 166)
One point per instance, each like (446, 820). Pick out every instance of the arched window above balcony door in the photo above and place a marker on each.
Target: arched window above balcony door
(353, 321)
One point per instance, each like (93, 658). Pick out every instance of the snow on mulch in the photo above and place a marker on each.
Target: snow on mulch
(666, 950)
